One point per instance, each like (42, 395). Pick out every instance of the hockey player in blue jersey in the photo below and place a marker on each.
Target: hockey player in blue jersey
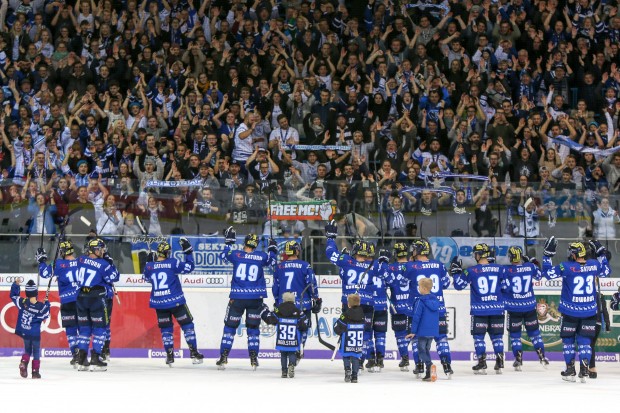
(487, 304)
(351, 327)
(29, 318)
(424, 267)
(375, 351)
(65, 272)
(520, 304)
(357, 271)
(578, 300)
(93, 274)
(168, 300)
(296, 276)
(399, 293)
(291, 322)
(247, 291)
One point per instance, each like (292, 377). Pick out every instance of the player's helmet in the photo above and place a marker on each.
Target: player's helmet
(95, 245)
(292, 248)
(481, 251)
(364, 249)
(400, 250)
(164, 249)
(576, 250)
(515, 254)
(251, 240)
(421, 247)
(66, 248)
(371, 249)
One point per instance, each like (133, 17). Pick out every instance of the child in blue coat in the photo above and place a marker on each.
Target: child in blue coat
(31, 314)
(425, 325)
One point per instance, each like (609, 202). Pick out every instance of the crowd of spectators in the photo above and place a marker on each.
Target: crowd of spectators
(101, 97)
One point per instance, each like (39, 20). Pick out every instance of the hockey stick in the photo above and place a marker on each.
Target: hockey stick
(269, 207)
(318, 329)
(379, 210)
(42, 234)
(63, 226)
(336, 349)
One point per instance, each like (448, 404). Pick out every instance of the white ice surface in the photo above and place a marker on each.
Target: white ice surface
(149, 386)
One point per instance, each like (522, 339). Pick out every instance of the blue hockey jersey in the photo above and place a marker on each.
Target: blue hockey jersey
(399, 288)
(293, 276)
(30, 315)
(352, 274)
(379, 293)
(519, 295)
(93, 272)
(166, 288)
(248, 280)
(350, 328)
(578, 297)
(486, 283)
(290, 322)
(414, 271)
(65, 272)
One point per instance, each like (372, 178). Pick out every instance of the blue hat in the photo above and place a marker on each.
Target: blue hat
(80, 163)
(31, 289)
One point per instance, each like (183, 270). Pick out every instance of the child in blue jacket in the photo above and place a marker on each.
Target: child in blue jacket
(31, 314)
(425, 325)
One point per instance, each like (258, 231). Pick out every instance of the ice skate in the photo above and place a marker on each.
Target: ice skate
(96, 363)
(347, 375)
(223, 361)
(253, 359)
(379, 362)
(447, 369)
(419, 370)
(404, 363)
(481, 367)
(584, 371)
(284, 374)
(82, 361)
(169, 357)
(592, 373)
(518, 363)
(541, 356)
(499, 363)
(291, 371)
(36, 374)
(23, 369)
(569, 374)
(354, 378)
(105, 352)
(75, 358)
(196, 357)
(370, 366)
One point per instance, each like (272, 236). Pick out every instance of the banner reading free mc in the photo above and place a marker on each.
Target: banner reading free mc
(304, 211)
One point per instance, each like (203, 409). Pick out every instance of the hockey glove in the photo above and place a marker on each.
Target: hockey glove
(550, 246)
(343, 251)
(597, 247)
(384, 256)
(317, 303)
(355, 248)
(230, 236)
(456, 266)
(273, 246)
(532, 260)
(41, 255)
(186, 247)
(264, 310)
(615, 302)
(331, 229)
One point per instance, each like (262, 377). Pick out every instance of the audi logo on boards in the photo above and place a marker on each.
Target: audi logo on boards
(12, 279)
(215, 281)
